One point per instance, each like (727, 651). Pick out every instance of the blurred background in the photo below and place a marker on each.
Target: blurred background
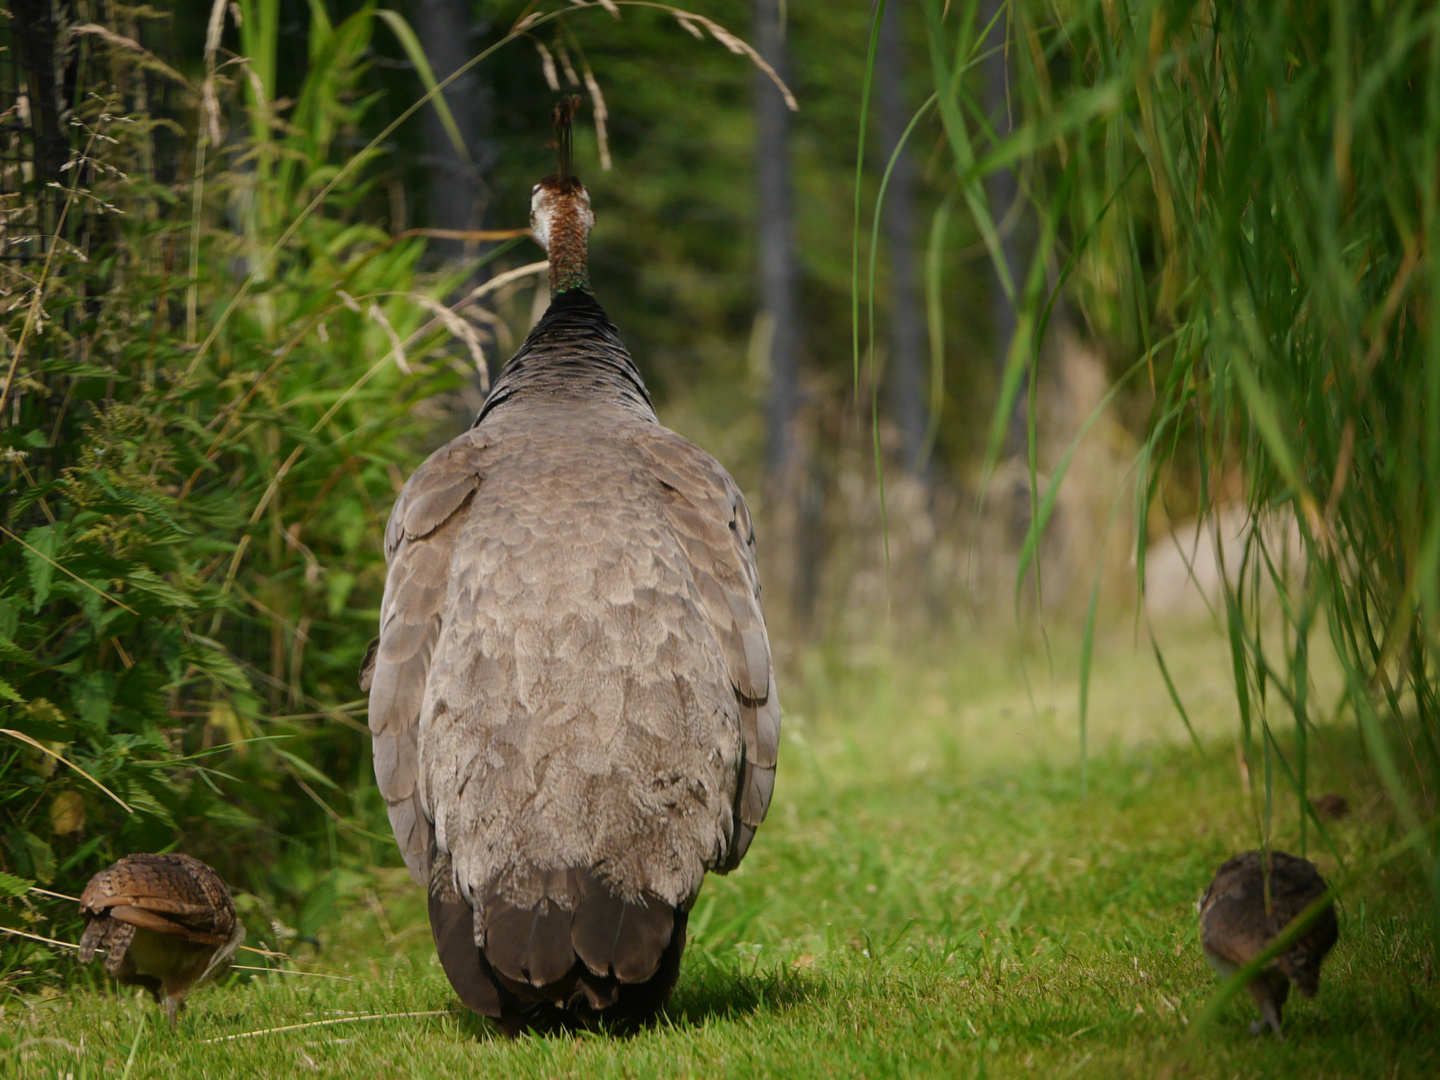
(1029, 330)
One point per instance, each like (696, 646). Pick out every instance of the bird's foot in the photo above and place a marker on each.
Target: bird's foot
(1259, 1028)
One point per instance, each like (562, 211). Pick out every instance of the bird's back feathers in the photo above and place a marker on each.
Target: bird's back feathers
(172, 894)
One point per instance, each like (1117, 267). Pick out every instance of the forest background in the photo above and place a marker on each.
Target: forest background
(1174, 255)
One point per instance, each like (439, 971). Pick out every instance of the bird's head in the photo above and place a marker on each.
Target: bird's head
(559, 205)
(560, 214)
(1301, 964)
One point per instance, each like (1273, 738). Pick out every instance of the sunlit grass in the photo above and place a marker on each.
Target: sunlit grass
(932, 895)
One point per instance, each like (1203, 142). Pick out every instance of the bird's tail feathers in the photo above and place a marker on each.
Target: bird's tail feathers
(452, 925)
(93, 938)
(112, 935)
(582, 947)
(220, 959)
(585, 947)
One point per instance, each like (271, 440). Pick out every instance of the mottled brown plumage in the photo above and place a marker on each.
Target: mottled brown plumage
(572, 699)
(166, 921)
(1247, 906)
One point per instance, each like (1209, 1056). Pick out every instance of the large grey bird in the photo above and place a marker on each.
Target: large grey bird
(1247, 906)
(167, 923)
(572, 699)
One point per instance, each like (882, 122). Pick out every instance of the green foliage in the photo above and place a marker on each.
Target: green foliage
(192, 567)
(1242, 197)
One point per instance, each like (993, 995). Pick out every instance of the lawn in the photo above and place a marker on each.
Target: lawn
(938, 892)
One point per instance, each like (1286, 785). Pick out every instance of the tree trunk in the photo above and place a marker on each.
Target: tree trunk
(795, 495)
(455, 186)
(1002, 190)
(776, 239)
(907, 329)
(35, 33)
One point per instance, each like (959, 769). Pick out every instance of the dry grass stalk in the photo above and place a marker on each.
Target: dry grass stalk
(120, 41)
(691, 21)
(459, 327)
(597, 101)
(547, 67)
(287, 971)
(210, 103)
(397, 347)
(22, 737)
(324, 1023)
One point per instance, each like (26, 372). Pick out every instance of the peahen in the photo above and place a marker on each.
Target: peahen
(572, 698)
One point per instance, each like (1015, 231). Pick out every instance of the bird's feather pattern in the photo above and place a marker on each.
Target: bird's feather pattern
(418, 545)
(709, 517)
(581, 713)
(175, 894)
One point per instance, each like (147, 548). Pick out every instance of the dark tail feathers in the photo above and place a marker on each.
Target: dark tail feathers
(588, 954)
(452, 924)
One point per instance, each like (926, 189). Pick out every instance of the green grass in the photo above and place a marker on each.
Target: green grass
(932, 895)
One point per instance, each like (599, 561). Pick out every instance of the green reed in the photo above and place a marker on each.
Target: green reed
(1240, 200)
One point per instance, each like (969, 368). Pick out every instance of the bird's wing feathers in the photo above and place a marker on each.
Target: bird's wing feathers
(147, 918)
(173, 894)
(1233, 927)
(709, 519)
(418, 544)
(1234, 936)
(708, 515)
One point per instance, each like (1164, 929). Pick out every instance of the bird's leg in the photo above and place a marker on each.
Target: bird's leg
(1272, 1018)
(172, 1009)
(1269, 1005)
(512, 1021)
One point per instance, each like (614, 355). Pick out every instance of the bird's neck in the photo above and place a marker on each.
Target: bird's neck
(573, 354)
(566, 241)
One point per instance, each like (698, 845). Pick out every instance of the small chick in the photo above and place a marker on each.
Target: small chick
(167, 921)
(1332, 806)
(1237, 924)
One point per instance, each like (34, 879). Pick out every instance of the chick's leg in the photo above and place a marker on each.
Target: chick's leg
(1263, 992)
(171, 1006)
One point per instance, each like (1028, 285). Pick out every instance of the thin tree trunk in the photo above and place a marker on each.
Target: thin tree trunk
(776, 240)
(795, 494)
(455, 186)
(1002, 190)
(35, 34)
(907, 328)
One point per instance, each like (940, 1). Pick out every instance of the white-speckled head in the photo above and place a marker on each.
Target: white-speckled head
(551, 198)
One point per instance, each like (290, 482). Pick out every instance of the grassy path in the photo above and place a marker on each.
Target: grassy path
(933, 895)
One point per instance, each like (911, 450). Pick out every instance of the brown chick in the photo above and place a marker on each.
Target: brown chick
(1237, 924)
(167, 922)
(1332, 806)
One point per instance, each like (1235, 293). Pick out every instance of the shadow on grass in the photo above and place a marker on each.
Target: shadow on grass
(708, 992)
(712, 991)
